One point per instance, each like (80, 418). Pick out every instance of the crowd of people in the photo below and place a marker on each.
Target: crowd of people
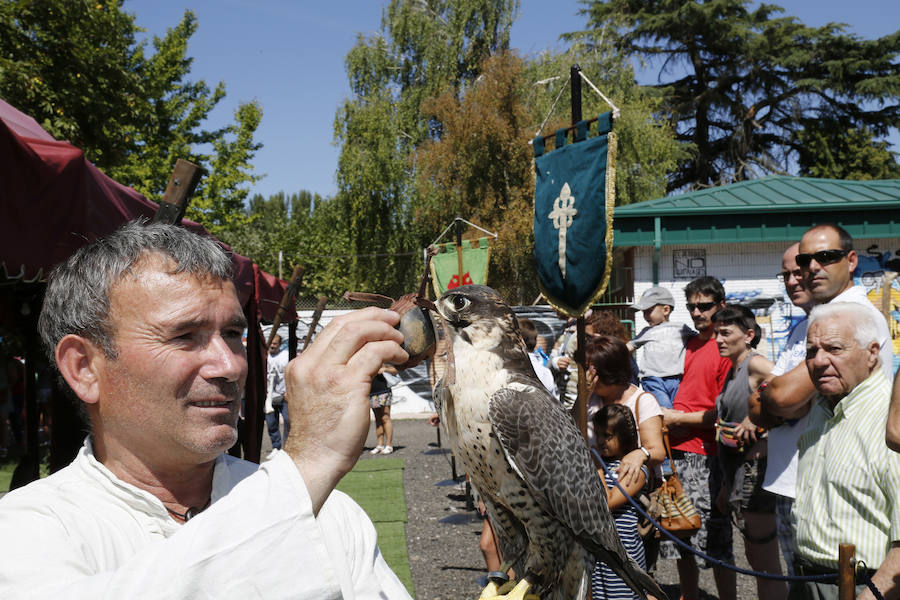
(798, 454)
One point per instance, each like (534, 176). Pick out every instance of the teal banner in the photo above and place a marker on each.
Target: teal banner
(573, 205)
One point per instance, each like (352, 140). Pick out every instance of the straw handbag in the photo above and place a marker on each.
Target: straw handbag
(676, 512)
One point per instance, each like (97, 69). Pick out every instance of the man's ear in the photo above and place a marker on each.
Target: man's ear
(667, 310)
(873, 354)
(79, 361)
(852, 261)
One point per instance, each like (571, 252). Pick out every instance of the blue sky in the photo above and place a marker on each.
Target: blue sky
(289, 56)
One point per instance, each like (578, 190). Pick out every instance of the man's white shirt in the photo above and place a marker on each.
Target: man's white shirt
(84, 533)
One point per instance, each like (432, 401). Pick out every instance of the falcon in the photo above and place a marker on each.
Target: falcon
(525, 456)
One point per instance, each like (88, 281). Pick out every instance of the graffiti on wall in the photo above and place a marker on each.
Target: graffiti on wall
(689, 263)
(877, 272)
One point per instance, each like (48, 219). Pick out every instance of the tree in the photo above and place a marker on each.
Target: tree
(74, 65)
(423, 46)
(481, 167)
(840, 154)
(302, 228)
(220, 200)
(741, 85)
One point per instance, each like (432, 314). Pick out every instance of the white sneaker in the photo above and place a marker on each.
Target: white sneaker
(377, 450)
(387, 450)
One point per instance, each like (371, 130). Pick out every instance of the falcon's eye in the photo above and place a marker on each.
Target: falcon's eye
(459, 302)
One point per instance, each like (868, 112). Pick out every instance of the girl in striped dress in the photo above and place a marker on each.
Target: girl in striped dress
(616, 436)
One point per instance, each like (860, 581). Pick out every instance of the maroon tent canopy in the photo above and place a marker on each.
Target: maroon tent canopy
(53, 201)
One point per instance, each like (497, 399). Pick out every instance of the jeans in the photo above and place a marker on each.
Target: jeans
(663, 388)
(272, 423)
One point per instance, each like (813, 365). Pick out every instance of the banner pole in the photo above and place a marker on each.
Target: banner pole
(459, 257)
(580, 408)
(574, 73)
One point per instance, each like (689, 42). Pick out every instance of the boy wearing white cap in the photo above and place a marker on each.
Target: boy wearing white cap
(662, 361)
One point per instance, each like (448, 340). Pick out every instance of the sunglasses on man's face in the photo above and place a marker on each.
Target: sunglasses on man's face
(702, 306)
(786, 275)
(823, 257)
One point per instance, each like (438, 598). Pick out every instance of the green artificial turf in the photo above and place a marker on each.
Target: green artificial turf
(377, 486)
(6, 472)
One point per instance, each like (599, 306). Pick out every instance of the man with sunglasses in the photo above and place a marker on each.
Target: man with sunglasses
(781, 469)
(827, 261)
(691, 424)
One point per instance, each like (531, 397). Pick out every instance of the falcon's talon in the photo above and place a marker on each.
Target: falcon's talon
(507, 588)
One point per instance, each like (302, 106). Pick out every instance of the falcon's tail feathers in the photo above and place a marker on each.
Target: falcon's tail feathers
(632, 574)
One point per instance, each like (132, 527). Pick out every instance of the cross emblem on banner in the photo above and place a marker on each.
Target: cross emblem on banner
(562, 215)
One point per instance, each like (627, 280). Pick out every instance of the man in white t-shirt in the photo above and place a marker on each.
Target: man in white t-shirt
(781, 470)
(276, 405)
(826, 261)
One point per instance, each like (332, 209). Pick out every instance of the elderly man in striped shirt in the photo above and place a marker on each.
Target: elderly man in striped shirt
(848, 488)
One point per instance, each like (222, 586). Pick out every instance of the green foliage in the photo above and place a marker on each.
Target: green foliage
(74, 65)
(838, 154)
(302, 227)
(424, 47)
(740, 85)
(220, 201)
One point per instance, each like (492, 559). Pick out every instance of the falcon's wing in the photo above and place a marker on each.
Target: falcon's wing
(542, 443)
(544, 446)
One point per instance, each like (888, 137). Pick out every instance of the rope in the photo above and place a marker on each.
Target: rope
(552, 106)
(822, 578)
(469, 223)
(861, 568)
(615, 109)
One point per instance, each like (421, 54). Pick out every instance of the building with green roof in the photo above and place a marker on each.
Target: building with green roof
(738, 233)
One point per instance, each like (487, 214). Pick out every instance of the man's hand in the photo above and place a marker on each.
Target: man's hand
(434, 420)
(887, 576)
(328, 395)
(563, 362)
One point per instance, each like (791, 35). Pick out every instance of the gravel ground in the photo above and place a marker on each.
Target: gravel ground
(442, 534)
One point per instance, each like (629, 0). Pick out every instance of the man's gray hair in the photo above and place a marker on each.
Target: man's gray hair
(862, 320)
(77, 297)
